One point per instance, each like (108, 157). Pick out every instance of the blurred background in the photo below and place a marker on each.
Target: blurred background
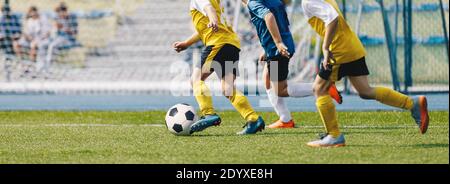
(123, 47)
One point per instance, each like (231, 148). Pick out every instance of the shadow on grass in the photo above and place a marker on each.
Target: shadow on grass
(364, 146)
(289, 133)
(259, 134)
(436, 145)
(212, 135)
(363, 132)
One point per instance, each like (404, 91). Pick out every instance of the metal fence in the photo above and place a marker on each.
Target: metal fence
(125, 46)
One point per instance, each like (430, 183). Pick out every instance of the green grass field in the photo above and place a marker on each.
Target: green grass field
(141, 137)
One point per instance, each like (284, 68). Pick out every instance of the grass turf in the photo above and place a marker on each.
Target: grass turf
(130, 137)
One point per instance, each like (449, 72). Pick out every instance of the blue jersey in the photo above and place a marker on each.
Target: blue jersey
(258, 10)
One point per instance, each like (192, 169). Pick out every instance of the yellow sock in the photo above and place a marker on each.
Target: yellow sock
(241, 104)
(393, 98)
(327, 112)
(203, 97)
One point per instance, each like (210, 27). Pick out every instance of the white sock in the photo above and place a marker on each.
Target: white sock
(272, 99)
(300, 89)
(279, 106)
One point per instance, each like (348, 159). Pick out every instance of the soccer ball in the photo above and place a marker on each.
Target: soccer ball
(179, 119)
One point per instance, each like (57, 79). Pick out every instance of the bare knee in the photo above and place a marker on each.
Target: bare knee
(282, 92)
(320, 89)
(367, 94)
(280, 88)
(361, 84)
(194, 80)
(228, 92)
(229, 97)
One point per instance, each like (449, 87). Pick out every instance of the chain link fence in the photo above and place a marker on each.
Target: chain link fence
(126, 45)
(429, 55)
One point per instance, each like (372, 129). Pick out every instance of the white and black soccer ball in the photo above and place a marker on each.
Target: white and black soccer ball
(179, 119)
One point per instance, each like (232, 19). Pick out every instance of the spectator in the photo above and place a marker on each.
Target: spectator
(10, 31)
(66, 27)
(36, 33)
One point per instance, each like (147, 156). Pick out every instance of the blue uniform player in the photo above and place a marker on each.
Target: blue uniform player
(272, 25)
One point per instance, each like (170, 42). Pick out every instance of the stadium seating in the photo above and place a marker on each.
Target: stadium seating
(130, 40)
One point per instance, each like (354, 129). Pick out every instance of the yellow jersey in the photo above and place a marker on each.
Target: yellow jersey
(346, 46)
(225, 34)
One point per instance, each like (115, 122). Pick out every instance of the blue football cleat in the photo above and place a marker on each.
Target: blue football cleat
(205, 122)
(420, 113)
(328, 141)
(253, 127)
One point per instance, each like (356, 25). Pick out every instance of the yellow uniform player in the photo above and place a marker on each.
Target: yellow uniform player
(344, 55)
(221, 55)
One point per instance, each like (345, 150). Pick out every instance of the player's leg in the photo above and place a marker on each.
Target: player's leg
(240, 102)
(327, 109)
(358, 72)
(202, 93)
(293, 89)
(278, 70)
(200, 73)
(226, 67)
(285, 119)
(238, 99)
(281, 88)
(299, 90)
(387, 96)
